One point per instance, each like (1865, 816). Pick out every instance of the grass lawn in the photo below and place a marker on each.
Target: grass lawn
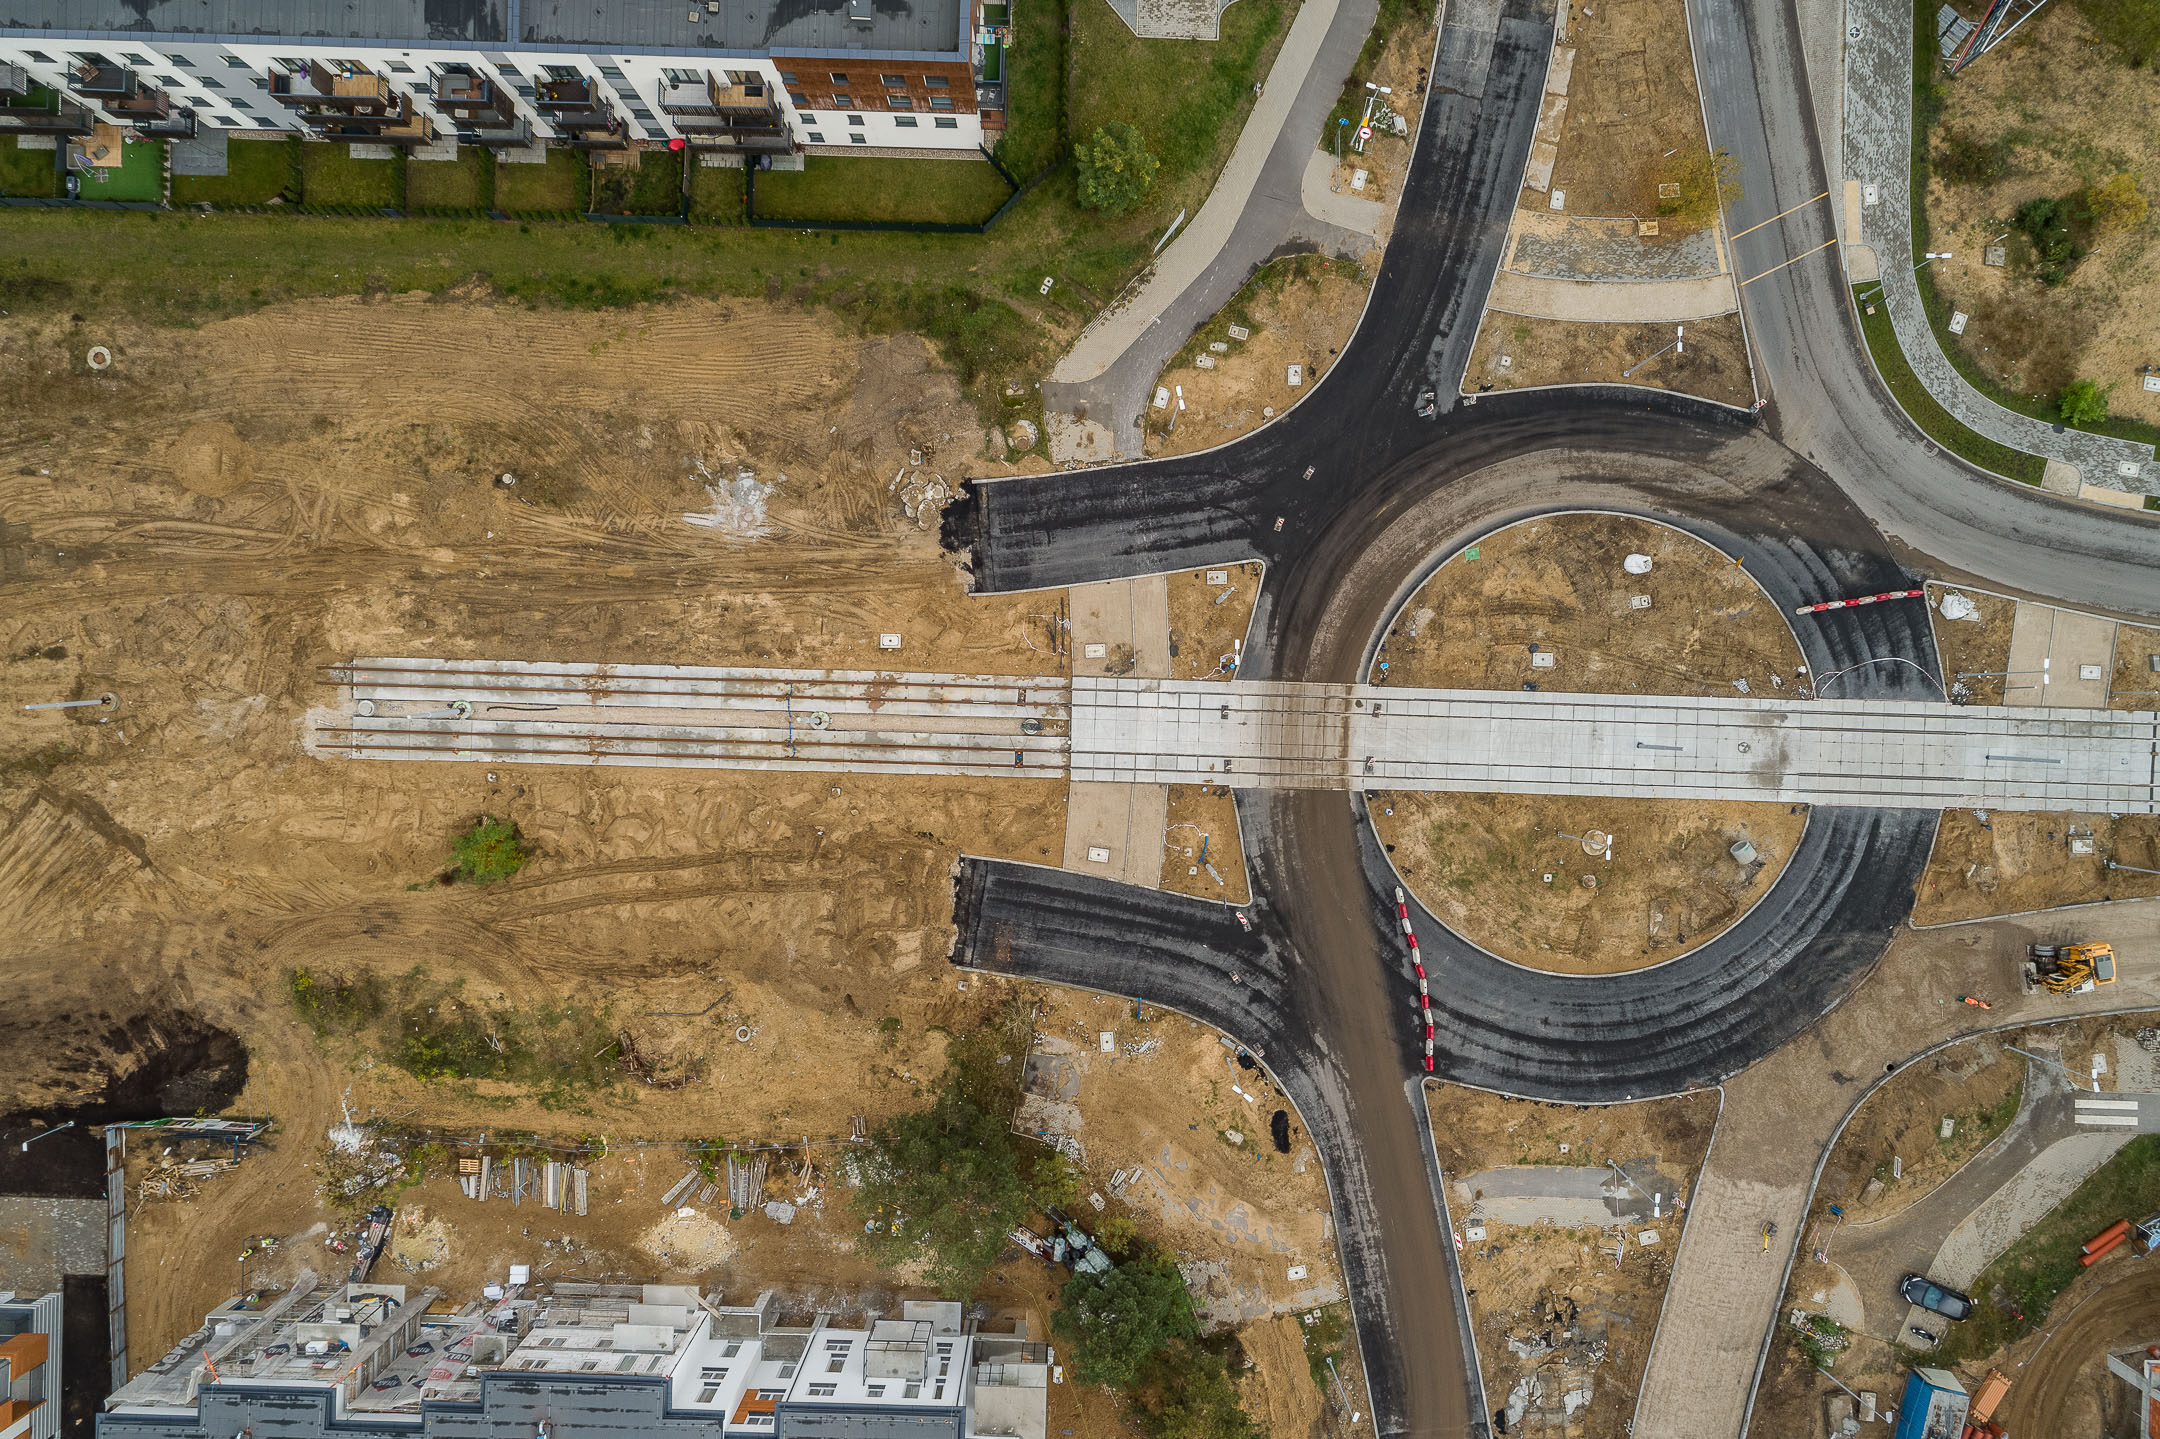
(329, 175)
(2044, 1261)
(138, 176)
(1188, 98)
(27, 172)
(1034, 89)
(256, 172)
(653, 188)
(716, 193)
(557, 187)
(466, 183)
(833, 187)
(1936, 422)
(2132, 27)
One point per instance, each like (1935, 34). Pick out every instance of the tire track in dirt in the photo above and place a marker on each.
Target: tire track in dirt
(2059, 1386)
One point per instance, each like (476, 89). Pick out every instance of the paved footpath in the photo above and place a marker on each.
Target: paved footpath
(1779, 1120)
(1256, 208)
(1878, 151)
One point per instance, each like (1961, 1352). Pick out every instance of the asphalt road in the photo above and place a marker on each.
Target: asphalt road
(1351, 499)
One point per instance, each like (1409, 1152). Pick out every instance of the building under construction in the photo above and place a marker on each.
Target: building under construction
(577, 1361)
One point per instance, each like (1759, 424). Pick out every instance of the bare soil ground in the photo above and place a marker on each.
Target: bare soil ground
(1713, 362)
(229, 510)
(1556, 586)
(1500, 872)
(2013, 863)
(1631, 99)
(1209, 621)
(1975, 1084)
(2062, 138)
(1304, 322)
(1978, 646)
(1204, 817)
(2135, 684)
(1532, 1284)
(1403, 70)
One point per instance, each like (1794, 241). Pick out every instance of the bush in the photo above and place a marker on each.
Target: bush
(1708, 180)
(2047, 223)
(2083, 403)
(1116, 171)
(492, 849)
(2115, 203)
(1964, 160)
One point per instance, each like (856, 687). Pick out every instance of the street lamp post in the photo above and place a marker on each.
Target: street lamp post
(2045, 677)
(2074, 1075)
(2133, 868)
(1933, 256)
(52, 1131)
(1679, 339)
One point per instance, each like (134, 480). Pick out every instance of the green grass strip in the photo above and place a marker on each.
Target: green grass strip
(1937, 423)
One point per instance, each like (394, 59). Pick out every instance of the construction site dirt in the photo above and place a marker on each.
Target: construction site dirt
(1994, 862)
(1710, 359)
(207, 527)
(1588, 886)
(1566, 1278)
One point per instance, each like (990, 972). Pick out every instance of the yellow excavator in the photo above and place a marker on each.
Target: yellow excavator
(2070, 968)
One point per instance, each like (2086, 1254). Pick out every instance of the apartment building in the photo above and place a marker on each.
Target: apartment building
(29, 1367)
(578, 1361)
(751, 77)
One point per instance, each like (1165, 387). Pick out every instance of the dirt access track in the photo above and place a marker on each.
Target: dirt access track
(202, 529)
(1549, 604)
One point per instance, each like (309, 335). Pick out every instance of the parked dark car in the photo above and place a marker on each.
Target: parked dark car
(1925, 1292)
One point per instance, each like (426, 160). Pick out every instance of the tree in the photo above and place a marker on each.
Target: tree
(1696, 186)
(2115, 203)
(944, 1187)
(2083, 403)
(2046, 222)
(1116, 171)
(1121, 1321)
(1199, 1401)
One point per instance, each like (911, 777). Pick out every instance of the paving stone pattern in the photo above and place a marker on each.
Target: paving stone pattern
(1592, 249)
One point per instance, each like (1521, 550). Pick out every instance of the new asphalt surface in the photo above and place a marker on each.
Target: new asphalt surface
(1351, 499)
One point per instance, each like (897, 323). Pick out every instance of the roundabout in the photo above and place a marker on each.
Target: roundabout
(1588, 602)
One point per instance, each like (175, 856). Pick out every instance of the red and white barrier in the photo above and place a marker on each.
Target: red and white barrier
(1417, 962)
(1862, 600)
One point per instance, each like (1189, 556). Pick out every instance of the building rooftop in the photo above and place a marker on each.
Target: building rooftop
(932, 26)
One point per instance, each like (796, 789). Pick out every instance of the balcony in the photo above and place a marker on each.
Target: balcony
(714, 97)
(402, 125)
(335, 90)
(110, 84)
(508, 138)
(474, 100)
(14, 82)
(43, 112)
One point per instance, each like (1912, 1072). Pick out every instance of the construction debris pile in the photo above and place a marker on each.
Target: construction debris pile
(170, 1178)
(1561, 1349)
(555, 1184)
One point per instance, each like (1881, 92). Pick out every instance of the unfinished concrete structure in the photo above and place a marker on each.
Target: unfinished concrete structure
(29, 1366)
(577, 1361)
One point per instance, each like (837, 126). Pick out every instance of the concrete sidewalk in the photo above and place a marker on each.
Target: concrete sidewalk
(1877, 115)
(1256, 208)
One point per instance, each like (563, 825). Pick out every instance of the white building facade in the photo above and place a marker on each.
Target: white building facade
(762, 77)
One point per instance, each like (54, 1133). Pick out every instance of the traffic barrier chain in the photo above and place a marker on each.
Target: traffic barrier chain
(1863, 600)
(1417, 962)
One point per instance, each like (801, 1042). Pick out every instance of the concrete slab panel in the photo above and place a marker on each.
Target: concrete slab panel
(1122, 823)
(2063, 642)
(1130, 619)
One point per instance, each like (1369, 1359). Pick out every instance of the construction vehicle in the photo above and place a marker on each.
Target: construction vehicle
(2069, 968)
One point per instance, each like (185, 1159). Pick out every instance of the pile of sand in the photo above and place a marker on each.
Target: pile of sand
(686, 1239)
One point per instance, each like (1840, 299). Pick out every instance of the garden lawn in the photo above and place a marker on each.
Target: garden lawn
(837, 187)
(329, 175)
(466, 183)
(138, 176)
(27, 172)
(1188, 98)
(653, 188)
(1034, 89)
(716, 193)
(555, 188)
(256, 172)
